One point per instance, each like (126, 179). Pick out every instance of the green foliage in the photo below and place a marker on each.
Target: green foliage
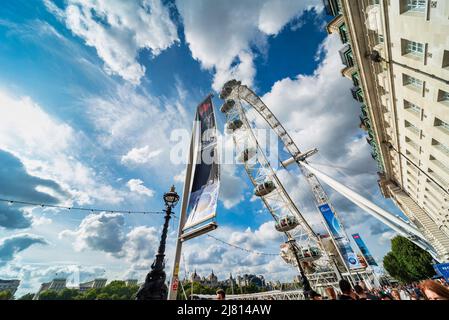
(48, 295)
(116, 290)
(67, 294)
(407, 262)
(6, 295)
(27, 296)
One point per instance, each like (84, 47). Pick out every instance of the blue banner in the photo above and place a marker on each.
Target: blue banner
(364, 250)
(340, 237)
(443, 270)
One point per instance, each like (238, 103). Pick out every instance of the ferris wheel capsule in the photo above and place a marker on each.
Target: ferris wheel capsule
(246, 154)
(227, 106)
(264, 188)
(286, 223)
(227, 88)
(233, 125)
(305, 254)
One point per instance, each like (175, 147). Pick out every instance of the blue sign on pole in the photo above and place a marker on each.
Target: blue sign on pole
(340, 237)
(443, 270)
(364, 249)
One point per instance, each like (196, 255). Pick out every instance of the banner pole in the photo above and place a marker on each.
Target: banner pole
(173, 290)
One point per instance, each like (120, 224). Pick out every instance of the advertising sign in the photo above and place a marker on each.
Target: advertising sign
(340, 238)
(203, 194)
(364, 250)
(443, 270)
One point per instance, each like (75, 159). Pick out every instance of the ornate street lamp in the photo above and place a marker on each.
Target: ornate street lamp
(154, 287)
(304, 280)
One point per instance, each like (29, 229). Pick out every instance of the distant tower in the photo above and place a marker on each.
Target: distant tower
(195, 277)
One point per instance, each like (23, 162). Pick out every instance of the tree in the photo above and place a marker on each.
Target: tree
(67, 294)
(5, 295)
(103, 296)
(407, 262)
(27, 296)
(48, 295)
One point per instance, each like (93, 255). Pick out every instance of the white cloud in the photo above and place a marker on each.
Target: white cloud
(33, 275)
(258, 238)
(122, 120)
(180, 177)
(232, 186)
(49, 148)
(233, 30)
(103, 232)
(137, 186)
(140, 155)
(24, 123)
(140, 246)
(386, 237)
(11, 246)
(119, 30)
(205, 254)
(274, 14)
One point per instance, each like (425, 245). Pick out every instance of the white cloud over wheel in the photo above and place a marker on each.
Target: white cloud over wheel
(222, 34)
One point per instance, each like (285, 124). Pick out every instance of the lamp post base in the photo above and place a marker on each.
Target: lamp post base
(154, 287)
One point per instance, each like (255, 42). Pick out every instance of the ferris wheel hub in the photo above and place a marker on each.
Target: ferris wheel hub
(299, 157)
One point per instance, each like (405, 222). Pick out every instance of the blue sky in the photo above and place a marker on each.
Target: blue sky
(90, 92)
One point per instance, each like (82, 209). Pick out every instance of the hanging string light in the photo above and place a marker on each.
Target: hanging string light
(91, 210)
(243, 249)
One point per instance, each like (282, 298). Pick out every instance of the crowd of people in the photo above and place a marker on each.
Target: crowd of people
(425, 290)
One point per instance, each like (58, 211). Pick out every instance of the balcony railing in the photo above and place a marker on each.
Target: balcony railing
(440, 180)
(442, 148)
(357, 94)
(441, 165)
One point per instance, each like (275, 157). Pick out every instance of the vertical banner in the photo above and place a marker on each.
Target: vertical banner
(442, 269)
(364, 250)
(340, 237)
(203, 195)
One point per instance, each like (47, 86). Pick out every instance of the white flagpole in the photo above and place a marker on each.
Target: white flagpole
(174, 281)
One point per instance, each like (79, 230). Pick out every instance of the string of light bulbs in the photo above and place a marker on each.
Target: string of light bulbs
(92, 210)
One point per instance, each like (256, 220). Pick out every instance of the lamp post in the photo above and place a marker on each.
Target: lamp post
(154, 287)
(304, 280)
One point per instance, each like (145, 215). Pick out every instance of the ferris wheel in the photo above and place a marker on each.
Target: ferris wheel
(304, 248)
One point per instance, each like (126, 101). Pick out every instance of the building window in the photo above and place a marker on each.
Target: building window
(442, 125)
(343, 33)
(411, 127)
(355, 79)
(438, 178)
(439, 164)
(412, 82)
(346, 55)
(443, 96)
(413, 48)
(445, 59)
(380, 38)
(416, 5)
(413, 108)
(443, 148)
(412, 143)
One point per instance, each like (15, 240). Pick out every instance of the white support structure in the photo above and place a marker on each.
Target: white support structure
(269, 295)
(400, 226)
